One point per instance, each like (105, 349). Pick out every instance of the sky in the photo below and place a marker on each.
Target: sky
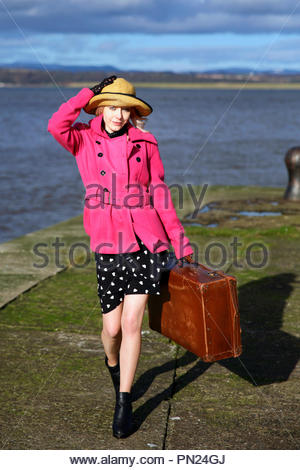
(158, 35)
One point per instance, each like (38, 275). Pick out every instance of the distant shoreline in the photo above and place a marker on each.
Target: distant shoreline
(219, 85)
(171, 85)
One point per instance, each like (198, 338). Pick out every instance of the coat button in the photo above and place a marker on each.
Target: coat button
(97, 142)
(138, 146)
(100, 154)
(138, 159)
(102, 172)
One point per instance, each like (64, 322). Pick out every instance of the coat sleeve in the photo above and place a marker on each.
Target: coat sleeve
(61, 123)
(164, 206)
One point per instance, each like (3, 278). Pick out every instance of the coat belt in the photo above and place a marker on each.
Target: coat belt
(127, 199)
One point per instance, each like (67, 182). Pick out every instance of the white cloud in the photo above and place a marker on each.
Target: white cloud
(159, 52)
(152, 16)
(177, 35)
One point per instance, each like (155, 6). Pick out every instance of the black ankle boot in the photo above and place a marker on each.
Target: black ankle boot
(115, 374)
(122, 423)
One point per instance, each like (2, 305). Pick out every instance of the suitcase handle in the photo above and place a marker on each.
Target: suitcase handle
(210, 272)
(187, 258)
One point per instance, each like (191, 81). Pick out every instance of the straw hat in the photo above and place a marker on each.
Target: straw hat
(119, 93)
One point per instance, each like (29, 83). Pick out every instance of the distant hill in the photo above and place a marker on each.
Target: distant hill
(246, 71)
(69, 68)
(111, 68)
(26, 74)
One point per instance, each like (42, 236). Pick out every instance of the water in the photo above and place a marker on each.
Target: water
(259, 214)
(226, 138)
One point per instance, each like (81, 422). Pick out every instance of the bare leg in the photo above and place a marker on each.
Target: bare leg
(111, 334)
(131, 324)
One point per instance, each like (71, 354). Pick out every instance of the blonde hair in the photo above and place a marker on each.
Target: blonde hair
(135, 117)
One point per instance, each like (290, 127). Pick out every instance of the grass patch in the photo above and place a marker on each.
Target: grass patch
(65, 301)
(283, 231)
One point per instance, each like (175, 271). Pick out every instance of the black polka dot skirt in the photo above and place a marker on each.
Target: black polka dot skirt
(120, 274)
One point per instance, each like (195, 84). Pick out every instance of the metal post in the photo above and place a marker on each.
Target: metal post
(292, 161)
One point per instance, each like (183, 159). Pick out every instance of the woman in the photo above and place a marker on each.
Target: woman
(129, 216)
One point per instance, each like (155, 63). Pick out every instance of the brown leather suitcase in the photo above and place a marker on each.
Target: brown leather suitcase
(198, 309)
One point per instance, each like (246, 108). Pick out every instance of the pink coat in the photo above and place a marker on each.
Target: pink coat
(124, 182)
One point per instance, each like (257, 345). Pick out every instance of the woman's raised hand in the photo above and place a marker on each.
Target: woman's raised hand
(107, 81)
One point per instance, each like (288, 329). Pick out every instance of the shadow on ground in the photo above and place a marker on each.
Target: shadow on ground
(269, 354)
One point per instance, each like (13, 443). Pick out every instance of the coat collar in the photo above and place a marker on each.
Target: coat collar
(134, 134)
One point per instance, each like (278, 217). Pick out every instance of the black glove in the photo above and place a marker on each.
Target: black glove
(107, 81)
